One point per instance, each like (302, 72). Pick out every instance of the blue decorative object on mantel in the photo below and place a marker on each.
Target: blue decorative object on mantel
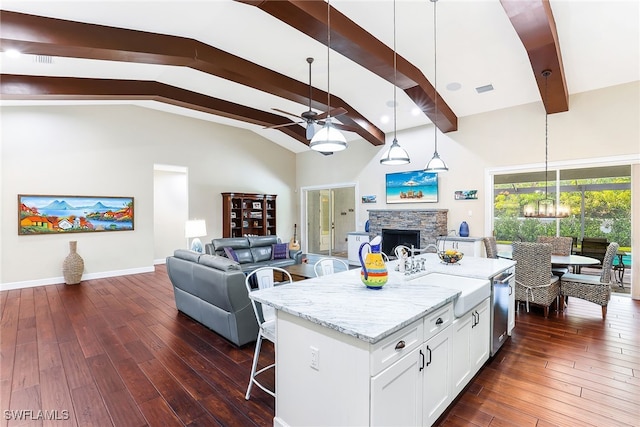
(464, 229)
(366, 226)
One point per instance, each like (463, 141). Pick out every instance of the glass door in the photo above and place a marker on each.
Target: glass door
(330, 214)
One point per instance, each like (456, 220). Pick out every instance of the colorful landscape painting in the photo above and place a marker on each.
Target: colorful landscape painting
(412, 187)
(73, 214)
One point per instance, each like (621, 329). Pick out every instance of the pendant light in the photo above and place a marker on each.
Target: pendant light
(328, 139)
(546, 208)
(436, 164)
(395, 155)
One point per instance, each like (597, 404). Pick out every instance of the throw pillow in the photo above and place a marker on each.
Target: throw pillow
(231, 254)
(279, 251)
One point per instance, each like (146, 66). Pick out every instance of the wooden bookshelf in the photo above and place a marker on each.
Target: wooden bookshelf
(248, 214)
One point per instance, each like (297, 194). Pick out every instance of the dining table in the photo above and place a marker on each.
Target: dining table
(575, 261)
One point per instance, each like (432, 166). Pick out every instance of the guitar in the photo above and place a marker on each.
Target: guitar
(294, 245)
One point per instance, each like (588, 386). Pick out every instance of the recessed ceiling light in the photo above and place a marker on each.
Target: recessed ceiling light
(12, 53)
(415, 111)
(384, 119)
(391, 104)
(485, 88)
(453, 86)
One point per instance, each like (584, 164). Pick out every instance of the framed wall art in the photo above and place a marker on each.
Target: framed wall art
(44, 214)
(466, 195)
(369, 198)
(412, 187)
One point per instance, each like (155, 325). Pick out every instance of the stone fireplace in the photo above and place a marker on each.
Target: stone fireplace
(431, 223)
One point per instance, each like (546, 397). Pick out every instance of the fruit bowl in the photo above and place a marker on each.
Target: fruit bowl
(450, 257)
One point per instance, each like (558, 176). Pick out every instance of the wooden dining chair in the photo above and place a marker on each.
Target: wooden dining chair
(534, 282)
(596, 289)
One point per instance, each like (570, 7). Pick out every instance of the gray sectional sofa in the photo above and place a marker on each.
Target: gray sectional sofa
(211, 290)
(253, 252)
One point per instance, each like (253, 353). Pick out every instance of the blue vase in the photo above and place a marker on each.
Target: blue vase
(464, 229)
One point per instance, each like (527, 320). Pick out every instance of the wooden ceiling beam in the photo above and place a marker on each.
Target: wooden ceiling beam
(354, 42)
(55, 37)
(534, 24)
(20, 87)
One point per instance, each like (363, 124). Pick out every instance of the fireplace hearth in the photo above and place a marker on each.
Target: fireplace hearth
(431, 223)
(392, 238)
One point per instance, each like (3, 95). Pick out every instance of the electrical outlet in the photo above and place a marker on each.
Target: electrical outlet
(315, 358)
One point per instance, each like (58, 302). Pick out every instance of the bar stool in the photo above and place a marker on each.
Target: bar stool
(266, 317)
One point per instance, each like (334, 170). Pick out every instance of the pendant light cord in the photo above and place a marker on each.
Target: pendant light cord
(395, 75)
(328, 52)
(435, 78)
(546, 74)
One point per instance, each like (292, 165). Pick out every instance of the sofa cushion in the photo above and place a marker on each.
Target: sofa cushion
(255, 241)
(230, 253)
(221, 263)
(261, 253)
(187, 255)
(279, 251)
(232, 242)
(244, 255)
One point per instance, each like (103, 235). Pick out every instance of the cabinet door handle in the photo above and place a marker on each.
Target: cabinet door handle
(422, 360)
(439, 321)
(510, 289)
(429, 350)
(401, 344)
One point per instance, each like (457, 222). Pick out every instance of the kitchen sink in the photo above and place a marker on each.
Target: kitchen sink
(473, 291)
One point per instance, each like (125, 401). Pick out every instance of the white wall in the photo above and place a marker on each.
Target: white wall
(111, 151)
(603, 123)
(170, 210)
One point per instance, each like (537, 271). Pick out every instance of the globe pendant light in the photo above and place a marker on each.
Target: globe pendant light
(395, 155)
(328, 139)
(546, 208)
(436, 164)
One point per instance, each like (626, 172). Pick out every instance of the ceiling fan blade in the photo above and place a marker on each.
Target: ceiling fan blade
(282, 125)
(286, 112)
(311, 130)
(334, 112)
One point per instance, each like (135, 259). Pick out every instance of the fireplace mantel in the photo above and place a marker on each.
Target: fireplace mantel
(432, 223)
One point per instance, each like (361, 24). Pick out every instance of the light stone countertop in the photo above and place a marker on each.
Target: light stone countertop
(341, 302)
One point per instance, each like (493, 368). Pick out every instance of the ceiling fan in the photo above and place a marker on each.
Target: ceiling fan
(310, 117)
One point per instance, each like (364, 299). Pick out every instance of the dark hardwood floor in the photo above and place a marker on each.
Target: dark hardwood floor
(116, 352)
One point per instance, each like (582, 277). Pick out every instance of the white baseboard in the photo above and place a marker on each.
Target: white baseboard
(60, 280)
(159, 261)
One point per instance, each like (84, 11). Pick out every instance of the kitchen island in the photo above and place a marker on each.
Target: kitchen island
(348, 355)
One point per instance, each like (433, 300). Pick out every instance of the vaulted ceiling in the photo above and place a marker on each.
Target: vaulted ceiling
(243, 63)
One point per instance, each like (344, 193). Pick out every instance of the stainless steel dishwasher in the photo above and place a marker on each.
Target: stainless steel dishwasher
(502, 285)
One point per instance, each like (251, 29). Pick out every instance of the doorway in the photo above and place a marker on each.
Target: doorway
(330, 214)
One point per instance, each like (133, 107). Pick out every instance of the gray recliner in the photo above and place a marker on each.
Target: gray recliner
(211, 290)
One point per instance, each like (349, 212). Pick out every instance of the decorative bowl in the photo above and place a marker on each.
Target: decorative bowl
(450, 257)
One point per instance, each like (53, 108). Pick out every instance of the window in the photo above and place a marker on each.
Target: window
(599, 199)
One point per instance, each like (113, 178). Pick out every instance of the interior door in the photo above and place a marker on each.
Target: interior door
(330, 215)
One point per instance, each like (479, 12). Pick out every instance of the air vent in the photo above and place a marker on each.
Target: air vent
(43, 59)
(485, 88)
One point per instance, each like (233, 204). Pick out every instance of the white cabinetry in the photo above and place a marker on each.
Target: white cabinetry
(402, 380)
(354, 240)
(470, 246)
(415, 389)
(471, 339)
